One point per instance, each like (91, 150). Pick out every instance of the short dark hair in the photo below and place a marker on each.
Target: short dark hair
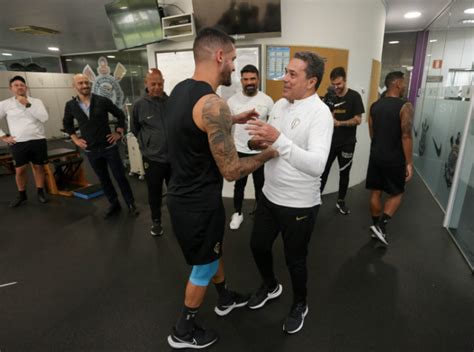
(338, 72)
(210, 38)
(17, 78)
(392, 77)
(249, 68)
(315, 65)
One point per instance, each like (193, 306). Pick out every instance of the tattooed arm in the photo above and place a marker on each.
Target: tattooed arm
(212, 115)
(406, 120)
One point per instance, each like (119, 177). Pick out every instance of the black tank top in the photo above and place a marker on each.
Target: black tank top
(386, 147)
(195, 183)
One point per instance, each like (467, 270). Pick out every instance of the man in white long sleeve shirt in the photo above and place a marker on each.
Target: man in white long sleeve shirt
(25, 117)
(300, 128)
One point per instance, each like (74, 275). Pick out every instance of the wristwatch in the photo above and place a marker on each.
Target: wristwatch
(28, 105)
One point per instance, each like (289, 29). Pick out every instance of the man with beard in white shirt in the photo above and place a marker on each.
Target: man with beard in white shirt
(27, 140)
(247, 99)
(300, 128)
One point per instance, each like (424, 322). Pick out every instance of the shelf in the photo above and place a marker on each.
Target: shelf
(178, 27)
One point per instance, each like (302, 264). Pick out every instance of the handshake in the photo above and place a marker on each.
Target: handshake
(262, 134)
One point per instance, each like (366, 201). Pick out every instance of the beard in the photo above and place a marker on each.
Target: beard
(226, 78)
(250, 89)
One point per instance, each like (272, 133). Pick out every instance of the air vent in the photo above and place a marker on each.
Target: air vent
(34, 30)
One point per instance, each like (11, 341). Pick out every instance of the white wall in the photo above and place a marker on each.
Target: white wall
(355, 25)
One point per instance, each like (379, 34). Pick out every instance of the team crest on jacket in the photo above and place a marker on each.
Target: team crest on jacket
(295, 123)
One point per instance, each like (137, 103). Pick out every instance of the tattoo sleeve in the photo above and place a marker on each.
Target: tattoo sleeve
(217, 120)
(406, 117)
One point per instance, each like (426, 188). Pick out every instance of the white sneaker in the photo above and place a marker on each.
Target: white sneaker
(235, 221)
(379, 234)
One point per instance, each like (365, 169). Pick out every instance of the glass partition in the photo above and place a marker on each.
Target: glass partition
(13, 60)
(444, 134)
(461, 221)
(443, 104)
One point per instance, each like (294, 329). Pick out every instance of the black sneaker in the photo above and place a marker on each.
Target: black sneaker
(197, 338)
(132, 210)
(113, 209)
(341, 206)
(379, 234)
(42, 198)
(17, 201)
(295, 320)
(264, 294)
(235, 300)
(156, 229)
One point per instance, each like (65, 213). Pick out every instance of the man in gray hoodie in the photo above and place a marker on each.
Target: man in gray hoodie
(148, 125)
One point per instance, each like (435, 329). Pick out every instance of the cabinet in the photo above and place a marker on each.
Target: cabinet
(178, 27)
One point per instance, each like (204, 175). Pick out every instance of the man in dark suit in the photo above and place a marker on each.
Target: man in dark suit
(100, 145)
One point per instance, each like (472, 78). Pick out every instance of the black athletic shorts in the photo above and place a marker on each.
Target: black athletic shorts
(199, 232)
(390, 179)
(34, 151)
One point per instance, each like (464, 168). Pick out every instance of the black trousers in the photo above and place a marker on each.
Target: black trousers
(155, 174)
(100, 161)
(296, 226)
(344, 155)
(239, 186)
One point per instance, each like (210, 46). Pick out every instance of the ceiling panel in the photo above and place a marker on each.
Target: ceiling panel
(84, 25)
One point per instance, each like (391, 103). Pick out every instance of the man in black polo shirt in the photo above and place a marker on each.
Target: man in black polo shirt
(348, 110)
(100, 145)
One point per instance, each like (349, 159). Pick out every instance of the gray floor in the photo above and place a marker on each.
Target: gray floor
(85, 284)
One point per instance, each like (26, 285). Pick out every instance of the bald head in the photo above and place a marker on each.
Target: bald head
(210, 40)
(82, 84)
(154, 82)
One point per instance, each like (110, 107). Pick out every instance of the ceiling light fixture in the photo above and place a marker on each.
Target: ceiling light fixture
(111, 56)
(467, 21)
(53, 48)
(123, 7)
(433, 40)
(7, 54)
(68, 59)
(414, 14)
(469, 11)
(393, 42)
(34, 30)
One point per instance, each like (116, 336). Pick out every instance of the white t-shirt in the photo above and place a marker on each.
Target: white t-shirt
(239, 103)
(25, 124)
(293, 179)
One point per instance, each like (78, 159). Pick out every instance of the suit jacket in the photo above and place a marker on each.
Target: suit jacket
(95, 128)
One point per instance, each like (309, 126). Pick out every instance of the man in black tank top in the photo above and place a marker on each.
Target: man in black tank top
(202, 152)
(390, 163)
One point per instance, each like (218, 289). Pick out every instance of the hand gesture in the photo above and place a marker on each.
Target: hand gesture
(245, 116)
(10, 140)
(22, 100)
(81, 143)
(262, 132)
(409, 172)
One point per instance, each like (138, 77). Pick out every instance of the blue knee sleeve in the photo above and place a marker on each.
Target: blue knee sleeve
(201, 275)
